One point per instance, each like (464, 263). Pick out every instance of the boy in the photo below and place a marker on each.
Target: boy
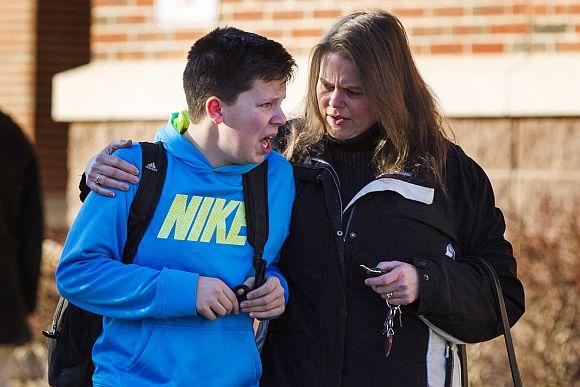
(171, 317)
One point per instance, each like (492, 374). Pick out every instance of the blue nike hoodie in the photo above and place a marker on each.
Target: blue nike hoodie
(151, 334)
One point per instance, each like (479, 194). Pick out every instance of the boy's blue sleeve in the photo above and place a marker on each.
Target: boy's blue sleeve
(273, 270)
(91, 275)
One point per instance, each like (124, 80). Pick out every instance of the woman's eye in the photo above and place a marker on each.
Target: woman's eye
(353, 93)
(267, 104)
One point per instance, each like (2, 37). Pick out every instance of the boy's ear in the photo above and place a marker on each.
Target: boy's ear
(213, 108)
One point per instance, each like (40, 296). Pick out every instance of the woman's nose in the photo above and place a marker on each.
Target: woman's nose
(336, 99)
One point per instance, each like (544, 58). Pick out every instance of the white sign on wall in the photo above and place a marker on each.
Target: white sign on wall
(186, 13)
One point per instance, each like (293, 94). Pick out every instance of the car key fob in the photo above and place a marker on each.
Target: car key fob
(372, 272)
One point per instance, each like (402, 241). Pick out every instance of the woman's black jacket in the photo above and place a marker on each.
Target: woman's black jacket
(330, 333)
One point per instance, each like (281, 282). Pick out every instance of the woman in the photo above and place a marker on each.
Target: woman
(378, 184)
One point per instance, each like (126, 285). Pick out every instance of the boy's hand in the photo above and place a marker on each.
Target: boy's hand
(265, 302)
(215, 298)
(110, 171)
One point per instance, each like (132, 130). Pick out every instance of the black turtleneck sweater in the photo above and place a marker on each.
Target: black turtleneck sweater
(352, 161)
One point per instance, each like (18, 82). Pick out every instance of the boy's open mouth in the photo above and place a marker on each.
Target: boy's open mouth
(266, 144)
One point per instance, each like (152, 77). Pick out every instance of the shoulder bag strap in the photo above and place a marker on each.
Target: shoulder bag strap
(506, 326)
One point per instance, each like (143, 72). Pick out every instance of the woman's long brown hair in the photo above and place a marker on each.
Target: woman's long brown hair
(412, 132)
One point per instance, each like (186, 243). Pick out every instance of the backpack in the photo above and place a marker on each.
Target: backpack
(74, 330)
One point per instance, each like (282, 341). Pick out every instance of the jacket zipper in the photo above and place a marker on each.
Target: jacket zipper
(335, 178)
(348, 222)
(330, 168)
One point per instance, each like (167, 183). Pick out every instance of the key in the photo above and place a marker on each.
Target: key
(400, 315)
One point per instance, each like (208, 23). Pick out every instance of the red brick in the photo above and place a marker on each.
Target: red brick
(287, 15)
(540, 9)
(509, 29)
(427, 31)
(248, 15)
(99, 20)
(419, 50)
(449, 11)
(147, 36)
(568, 46)
(130, 55)
(481, 48)
(446, 49)
(145, 2)
(169, 54)
(574, 8)
(132, 19)
(308, 33)
(191, 35)
(467, 30)
(107, 38)
(577, 29)
(409, 12)
(270, 34)
(489, 10)
(521, 9)
(327, 13)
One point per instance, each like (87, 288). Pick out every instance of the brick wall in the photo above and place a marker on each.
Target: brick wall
(17, 63)
(62, 43)
(39, 38)
(125, 29)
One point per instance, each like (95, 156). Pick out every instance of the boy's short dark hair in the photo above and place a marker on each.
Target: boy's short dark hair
(226, 61)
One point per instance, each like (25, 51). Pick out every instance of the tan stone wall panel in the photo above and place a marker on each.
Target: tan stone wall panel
(489, 141)
(540, 186)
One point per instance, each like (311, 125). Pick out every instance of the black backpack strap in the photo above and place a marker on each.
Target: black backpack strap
(84, 189)
(153, 170)
(255, 184)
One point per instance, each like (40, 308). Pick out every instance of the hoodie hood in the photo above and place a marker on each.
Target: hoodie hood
(180, 147)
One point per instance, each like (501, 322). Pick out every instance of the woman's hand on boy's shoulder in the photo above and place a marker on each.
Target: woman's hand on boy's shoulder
(105, 171)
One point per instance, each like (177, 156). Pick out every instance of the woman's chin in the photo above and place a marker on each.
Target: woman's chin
(343, 132)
